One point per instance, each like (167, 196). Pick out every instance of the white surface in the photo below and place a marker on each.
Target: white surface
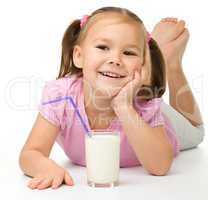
(30, 41)
(187, 179)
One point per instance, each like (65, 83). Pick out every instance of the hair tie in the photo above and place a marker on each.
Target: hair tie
(83, 21)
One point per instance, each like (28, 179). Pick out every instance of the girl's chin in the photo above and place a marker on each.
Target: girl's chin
(108, 92)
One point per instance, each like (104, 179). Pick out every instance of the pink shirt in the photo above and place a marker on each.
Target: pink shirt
(71, 135)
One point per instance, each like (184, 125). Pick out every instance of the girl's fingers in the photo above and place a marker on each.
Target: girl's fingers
(57, 181)
(34, 182)
(144, 74)
(137, 82)
(45, 183)
(137, 76)
(68, 179)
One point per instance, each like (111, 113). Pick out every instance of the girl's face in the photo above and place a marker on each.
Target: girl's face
(110, 53)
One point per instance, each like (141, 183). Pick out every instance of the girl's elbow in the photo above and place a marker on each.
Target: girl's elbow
(161, 170)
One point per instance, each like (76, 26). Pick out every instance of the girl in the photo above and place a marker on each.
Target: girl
(115, 73)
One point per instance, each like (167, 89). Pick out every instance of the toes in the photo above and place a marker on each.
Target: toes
(180, 26)
(183, 38)
(186, 31)
(170, 19)
(173, 19)
(185, 35)
(181, 23)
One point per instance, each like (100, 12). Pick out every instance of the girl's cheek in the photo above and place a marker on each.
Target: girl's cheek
(136, 66)
(88, 60)
(135, 63)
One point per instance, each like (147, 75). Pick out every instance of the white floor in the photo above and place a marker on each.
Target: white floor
(187, 179)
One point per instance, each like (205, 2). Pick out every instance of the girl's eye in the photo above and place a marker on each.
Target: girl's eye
(129, 53)
(103, 47)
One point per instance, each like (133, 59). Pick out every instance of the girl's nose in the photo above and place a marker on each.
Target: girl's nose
(114, 61)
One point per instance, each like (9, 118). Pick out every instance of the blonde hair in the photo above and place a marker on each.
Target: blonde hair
(75, 35)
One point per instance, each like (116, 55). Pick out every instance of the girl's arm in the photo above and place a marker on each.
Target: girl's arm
(151, 145)
(34, 157)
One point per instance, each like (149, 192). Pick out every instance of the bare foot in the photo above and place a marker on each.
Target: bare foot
(172, 37)
(167, 30)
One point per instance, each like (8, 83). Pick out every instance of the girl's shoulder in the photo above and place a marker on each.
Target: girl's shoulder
(53, 100)
(62, 86)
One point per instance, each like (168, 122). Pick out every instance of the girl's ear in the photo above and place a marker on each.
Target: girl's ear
(77, 56)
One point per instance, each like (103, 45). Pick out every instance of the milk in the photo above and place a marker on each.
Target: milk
(102, 152)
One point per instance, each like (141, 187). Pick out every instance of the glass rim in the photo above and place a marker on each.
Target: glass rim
(103, 132)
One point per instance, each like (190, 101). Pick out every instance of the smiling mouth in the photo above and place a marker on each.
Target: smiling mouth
(111, 75)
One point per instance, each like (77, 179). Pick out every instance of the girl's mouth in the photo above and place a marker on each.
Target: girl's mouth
(111, 75)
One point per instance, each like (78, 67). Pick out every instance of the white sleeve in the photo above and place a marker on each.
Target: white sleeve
(189, 136)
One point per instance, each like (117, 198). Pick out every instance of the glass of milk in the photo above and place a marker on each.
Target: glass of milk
(102, 154)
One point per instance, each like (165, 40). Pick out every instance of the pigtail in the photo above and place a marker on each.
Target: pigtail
(158, 82)
(158, 75)
(69, 40)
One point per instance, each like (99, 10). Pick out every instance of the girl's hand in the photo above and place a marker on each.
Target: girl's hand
(172, 37)
(124, 98)
(52, 177)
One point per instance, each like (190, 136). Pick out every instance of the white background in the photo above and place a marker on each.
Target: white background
(30, 49)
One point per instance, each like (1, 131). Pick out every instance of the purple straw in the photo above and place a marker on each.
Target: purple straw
(75, 108)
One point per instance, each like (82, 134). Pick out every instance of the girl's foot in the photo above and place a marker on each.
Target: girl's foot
(172, 37)
(167, 30)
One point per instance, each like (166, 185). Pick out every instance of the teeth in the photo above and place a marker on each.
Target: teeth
(111, 74)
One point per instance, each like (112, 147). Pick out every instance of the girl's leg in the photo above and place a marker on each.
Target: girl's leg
(189, 136)
(172, 37)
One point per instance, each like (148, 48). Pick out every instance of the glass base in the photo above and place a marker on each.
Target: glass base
(92, 184)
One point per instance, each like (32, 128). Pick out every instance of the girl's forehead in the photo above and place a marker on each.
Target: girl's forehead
(110, 19)
(115, 26)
